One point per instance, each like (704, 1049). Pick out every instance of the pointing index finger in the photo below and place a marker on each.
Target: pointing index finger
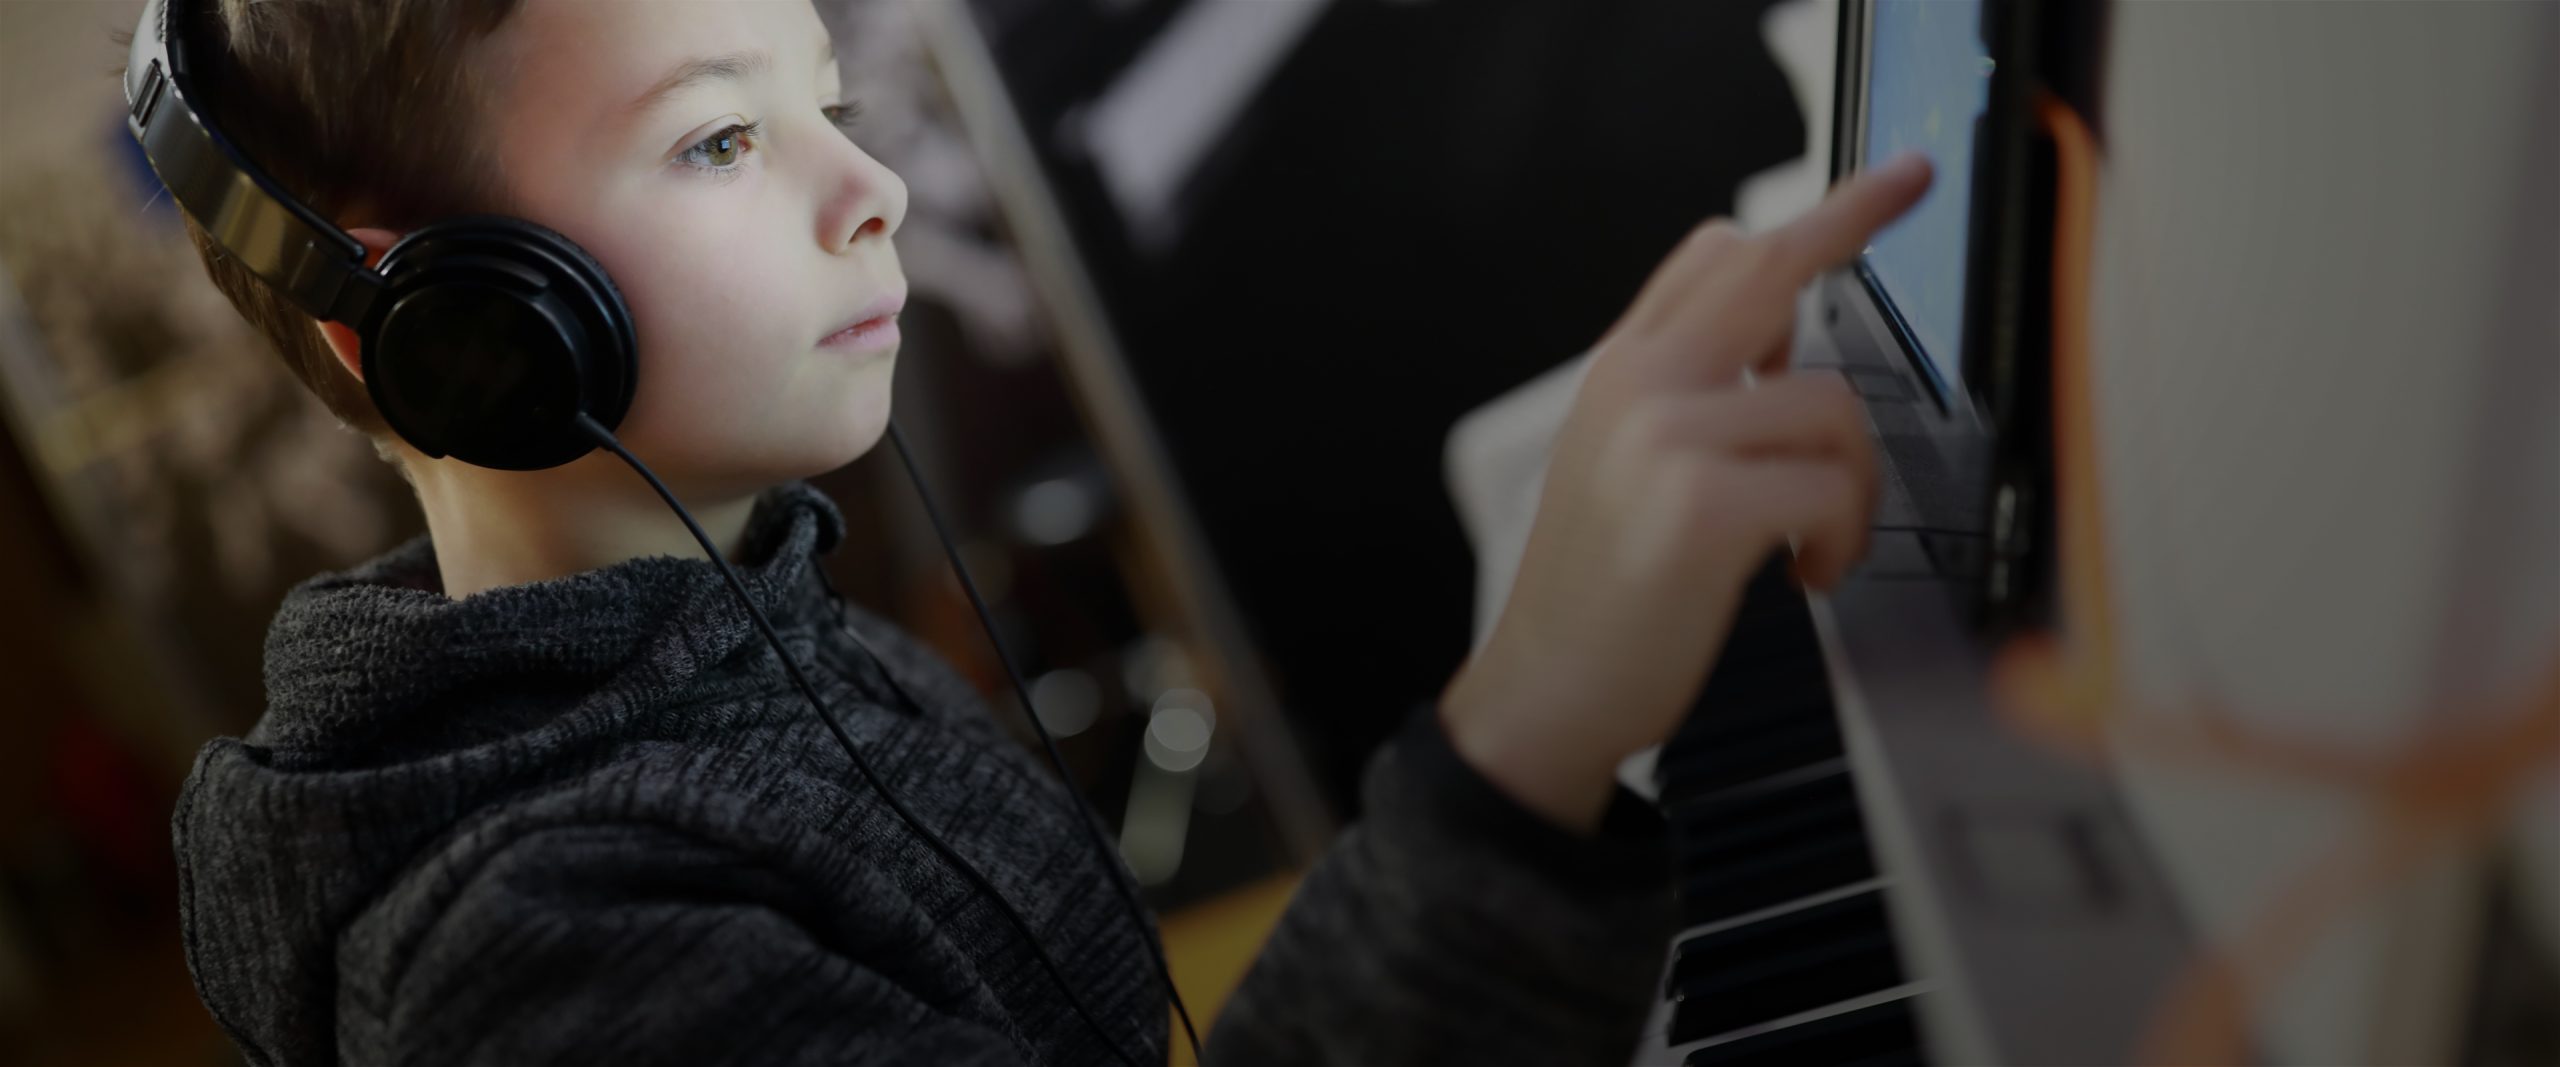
(1839, 226)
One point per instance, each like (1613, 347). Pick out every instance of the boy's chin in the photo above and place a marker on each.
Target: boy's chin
(862, 428)
(868, 433)
(865, 425)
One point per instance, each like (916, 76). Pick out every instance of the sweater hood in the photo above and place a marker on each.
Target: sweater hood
(354, 656)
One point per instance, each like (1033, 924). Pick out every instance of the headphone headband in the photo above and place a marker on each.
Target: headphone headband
(311, 262)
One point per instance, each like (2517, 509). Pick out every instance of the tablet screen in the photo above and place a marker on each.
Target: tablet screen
(1928, 76)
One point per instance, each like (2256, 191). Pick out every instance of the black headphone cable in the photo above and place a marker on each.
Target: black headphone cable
(986, 620)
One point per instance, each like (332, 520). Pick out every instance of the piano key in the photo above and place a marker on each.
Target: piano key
(1694, 931)
(1698, 959)
(1795, 871)
(1759, 630)
(1695, 770)
(1794, 962)
(1878, 1035)
(1734, 707)
(1727, 824)
(1764, 848)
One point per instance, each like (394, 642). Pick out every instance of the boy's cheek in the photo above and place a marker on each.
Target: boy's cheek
(718, 362)
(717, 308)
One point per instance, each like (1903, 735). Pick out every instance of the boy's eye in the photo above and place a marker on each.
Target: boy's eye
(721, 150)
(844, 115)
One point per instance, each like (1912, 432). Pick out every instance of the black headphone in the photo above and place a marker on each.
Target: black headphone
(483, 337)
(502, 344)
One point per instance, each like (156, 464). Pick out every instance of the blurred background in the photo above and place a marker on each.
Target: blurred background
(1221, 306)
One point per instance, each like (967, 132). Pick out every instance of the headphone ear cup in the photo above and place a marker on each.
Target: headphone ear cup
(491, 335)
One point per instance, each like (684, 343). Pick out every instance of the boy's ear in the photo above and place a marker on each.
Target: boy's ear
(342, 338)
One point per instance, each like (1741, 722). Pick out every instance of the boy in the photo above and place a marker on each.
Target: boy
(530, 788)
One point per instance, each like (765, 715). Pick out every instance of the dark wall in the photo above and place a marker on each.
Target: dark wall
(1430, 204)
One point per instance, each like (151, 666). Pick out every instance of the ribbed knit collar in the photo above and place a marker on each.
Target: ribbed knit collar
(350, 653)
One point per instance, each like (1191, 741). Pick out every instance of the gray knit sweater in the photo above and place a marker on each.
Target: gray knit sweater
(589, 820)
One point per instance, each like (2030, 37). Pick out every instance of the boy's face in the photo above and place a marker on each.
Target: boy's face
(737, 257)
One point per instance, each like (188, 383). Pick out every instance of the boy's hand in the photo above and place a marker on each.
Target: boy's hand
(1669, 484)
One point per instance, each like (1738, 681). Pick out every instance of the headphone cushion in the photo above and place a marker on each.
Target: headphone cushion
(491, 336)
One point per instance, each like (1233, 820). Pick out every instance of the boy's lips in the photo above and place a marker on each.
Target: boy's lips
(875, 326)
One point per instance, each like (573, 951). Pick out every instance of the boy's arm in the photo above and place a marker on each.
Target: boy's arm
(1452, 925)
(634, 944)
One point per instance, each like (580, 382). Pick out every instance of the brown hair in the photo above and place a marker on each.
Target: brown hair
(350, 105)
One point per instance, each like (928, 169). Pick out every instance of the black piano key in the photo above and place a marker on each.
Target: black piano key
(1782, 965)
(1773, 726)
(1767, 848)
(1760, 632)
(1744, 722)
(1736, 828)
(1739, 697)
(1878, 1035)
(1771, 616)
(1703, 957)
(1698, 768)
(1791, 873)
(1771, 579)
(1779, 640)
(1771, 590)
(1782, 622)
(1756, 643)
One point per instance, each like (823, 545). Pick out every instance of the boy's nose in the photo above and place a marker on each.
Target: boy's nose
(865, 201)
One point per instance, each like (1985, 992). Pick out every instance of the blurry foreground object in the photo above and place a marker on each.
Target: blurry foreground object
(2324, 376)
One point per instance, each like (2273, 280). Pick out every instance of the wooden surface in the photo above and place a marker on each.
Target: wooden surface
(1210, 945)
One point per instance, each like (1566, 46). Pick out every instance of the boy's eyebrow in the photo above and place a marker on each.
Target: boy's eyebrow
(728, 66)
